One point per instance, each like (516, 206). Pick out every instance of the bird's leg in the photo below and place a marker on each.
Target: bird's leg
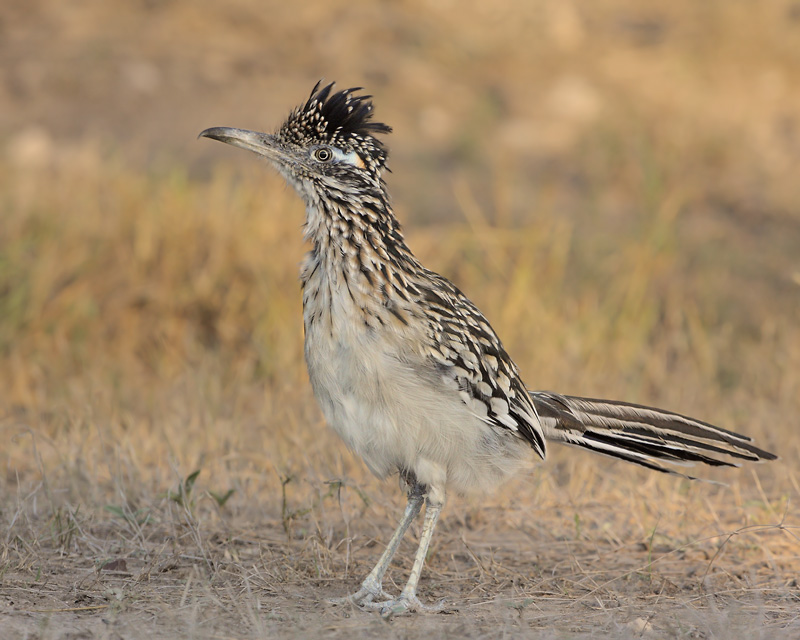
(372, 587)
(408, 600)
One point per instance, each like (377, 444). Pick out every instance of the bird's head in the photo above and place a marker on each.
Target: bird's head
(327, 144)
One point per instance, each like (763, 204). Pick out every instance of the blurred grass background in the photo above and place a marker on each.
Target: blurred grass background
(615, 185)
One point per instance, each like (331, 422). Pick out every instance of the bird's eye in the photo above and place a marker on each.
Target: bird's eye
(323, 154)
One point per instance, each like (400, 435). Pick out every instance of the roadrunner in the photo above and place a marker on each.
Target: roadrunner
(406, 369)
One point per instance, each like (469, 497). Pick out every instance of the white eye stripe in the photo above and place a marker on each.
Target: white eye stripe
(351, 158)
(333, 154)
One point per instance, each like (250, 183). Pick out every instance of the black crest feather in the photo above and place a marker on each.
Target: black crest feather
(337, 118)
(345, 113)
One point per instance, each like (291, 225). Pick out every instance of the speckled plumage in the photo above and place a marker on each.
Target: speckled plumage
(406, 369)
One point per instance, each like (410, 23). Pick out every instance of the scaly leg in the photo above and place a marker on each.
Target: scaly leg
(408, 600)
(372, 587)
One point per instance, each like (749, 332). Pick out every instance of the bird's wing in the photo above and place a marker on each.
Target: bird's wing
(470, 357)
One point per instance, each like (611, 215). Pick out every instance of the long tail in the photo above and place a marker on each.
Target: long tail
(642, 435)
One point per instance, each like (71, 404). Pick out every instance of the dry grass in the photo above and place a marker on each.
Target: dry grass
(631, 234)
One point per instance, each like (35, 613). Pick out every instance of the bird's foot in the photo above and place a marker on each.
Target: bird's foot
(403, 604)
(365, 595)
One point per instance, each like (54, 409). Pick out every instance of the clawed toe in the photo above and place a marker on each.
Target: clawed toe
(363, 597)
(377, 599)
(401, 605)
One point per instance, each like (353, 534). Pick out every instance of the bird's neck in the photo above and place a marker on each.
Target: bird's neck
(355, 237)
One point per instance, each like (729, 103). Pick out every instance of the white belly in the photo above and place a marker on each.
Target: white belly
(393, 409)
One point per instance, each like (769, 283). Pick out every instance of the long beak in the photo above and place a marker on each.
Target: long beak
(263, 144)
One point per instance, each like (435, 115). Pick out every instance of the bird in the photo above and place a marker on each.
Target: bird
(406, 369)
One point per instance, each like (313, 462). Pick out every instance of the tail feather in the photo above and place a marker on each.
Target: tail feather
(639, 434)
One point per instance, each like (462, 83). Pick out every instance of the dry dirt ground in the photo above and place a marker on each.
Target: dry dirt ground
(614, 185)
(502, 571)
